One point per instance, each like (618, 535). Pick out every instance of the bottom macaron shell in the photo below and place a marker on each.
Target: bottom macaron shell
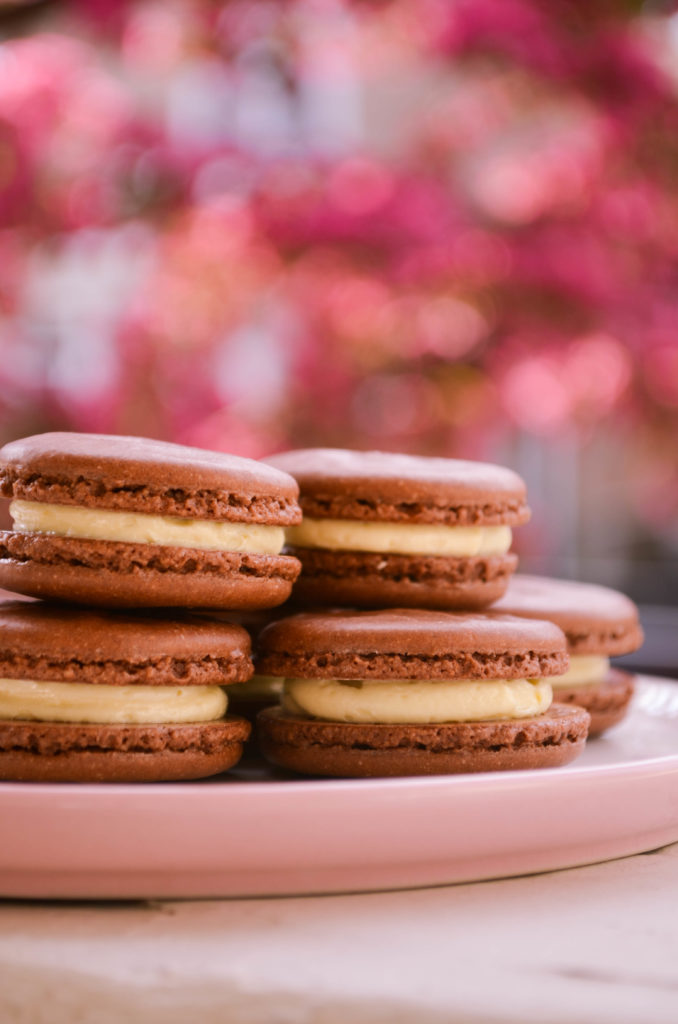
(64, 752)
(358, 579)
(343, 749)
(607, 703)
(113, 574)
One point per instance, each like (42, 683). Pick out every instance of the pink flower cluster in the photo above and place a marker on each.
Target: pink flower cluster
(405, 225)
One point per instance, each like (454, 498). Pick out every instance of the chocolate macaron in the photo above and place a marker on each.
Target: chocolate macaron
(131, 522)
(383, 530)
(107, 697)
(416, 692)
(598, 623)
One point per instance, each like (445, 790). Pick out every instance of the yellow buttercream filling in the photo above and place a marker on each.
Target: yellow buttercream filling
(139, 528)
(400, 538)
(31, 700)
(417, 701)
(584, 669)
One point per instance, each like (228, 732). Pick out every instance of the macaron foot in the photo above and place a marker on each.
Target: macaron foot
(350, 750)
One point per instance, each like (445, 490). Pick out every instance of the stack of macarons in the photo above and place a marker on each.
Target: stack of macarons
(405, 658)
(142, 532)
(405, 646)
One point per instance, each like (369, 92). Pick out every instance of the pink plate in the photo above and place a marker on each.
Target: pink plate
(252, 834)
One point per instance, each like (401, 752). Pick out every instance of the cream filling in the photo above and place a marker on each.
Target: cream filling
(139, 528)
(417, 701)
(31, 700)
(585, 669)
(257, 688)
(400, 538)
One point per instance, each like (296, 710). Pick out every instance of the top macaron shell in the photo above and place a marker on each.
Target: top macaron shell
(595, 619)
(145, 477)
(60, 643)
(404, 488)
(410, 644)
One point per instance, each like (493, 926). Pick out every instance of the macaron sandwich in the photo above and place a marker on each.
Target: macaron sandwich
(416, 692)
(110, 697)
(599, 623)
(130, 522)
(383, 530)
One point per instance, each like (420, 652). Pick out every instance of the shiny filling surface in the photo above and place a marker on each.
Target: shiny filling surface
(139, 528)
(417, 701)
(33, 700)
(584, 669)
(400, 538)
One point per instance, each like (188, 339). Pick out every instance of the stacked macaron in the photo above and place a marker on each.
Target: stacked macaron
(106, 697)
(409, 673)
(383, 530)
(416, 692)
(128, 522)
(132, 524)
(598, 623)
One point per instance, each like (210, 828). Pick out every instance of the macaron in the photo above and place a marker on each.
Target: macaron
(598, 623)
(383, 530)
(106, 697)
(416, 692)
(130, 522)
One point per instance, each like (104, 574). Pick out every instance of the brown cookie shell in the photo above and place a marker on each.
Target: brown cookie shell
(342, 749)
(117, 574)
(410, 644)
(342, 484)
(144, 475)
(77, 645)
(369, 580)
(607, 702)
(63, 752)
(595, 619)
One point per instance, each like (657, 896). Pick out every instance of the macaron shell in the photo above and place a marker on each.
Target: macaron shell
(111, 471)
(339, 483)
(366, 580)
(350, 750)
(59, 631)
(607, 702)
(409, 631)
(58, 752)
(61, 643)
(595, 619)
(113, 574)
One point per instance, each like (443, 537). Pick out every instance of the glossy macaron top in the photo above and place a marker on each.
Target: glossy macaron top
(144, 475)
(381, 485)
(410, 643)
(70, 644)
(595, 619)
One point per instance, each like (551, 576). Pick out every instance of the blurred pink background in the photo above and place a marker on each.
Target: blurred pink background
(436, 226)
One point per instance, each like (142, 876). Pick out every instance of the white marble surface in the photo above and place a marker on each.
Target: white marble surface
(597, 945)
